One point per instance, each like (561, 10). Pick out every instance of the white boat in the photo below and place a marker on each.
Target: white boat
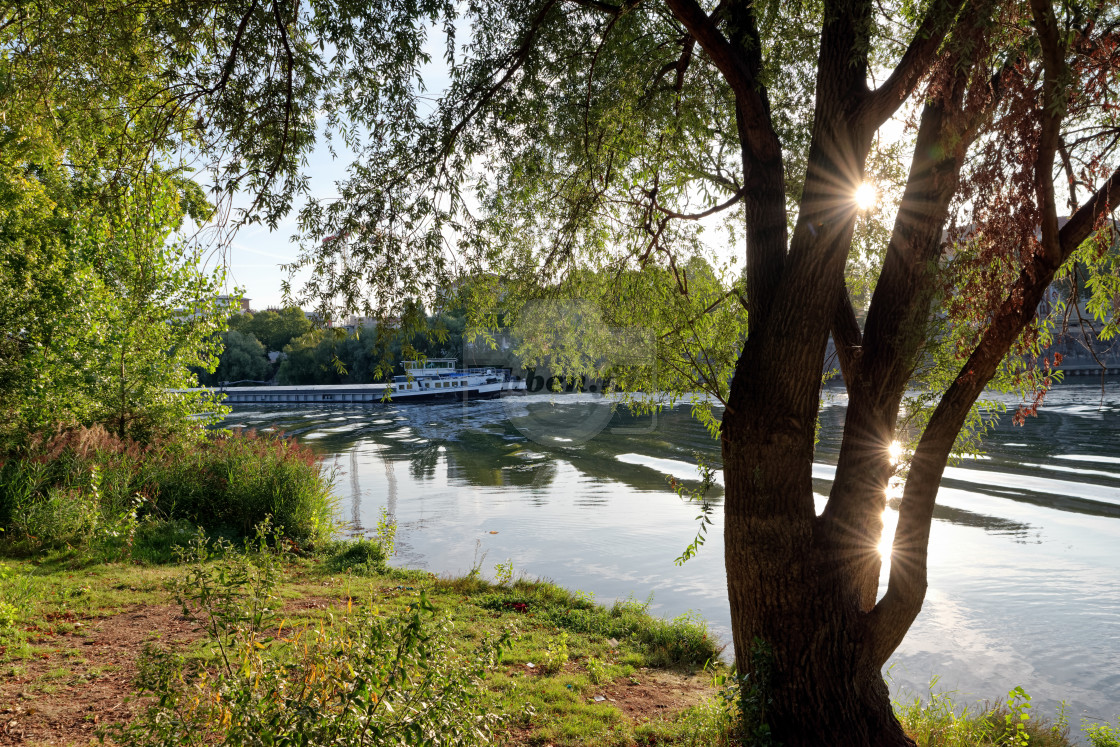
(430, 380)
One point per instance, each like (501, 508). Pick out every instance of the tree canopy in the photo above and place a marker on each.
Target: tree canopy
(273, 329)
(102, 310)
(242, 358)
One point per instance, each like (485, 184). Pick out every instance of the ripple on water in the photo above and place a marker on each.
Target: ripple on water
(1073, 470)
(675, 467)
(1097, 458)
(399, 434)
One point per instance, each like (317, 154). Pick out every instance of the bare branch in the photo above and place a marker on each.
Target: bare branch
(1071, 178)
(735, 199)
(885, 100)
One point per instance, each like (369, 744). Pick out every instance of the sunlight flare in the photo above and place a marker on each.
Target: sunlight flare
(895, 452)
(890, 523)
(866, 196)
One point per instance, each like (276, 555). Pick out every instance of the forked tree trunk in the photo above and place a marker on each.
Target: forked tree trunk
(799, 632)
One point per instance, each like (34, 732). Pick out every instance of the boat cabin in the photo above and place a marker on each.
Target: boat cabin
(430, 367)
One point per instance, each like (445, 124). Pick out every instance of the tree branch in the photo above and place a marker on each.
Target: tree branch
(231, 58)
(602, 7)
(848, 339)
(897, 319)
(519, 58)
(1053, 112)
(884, 101)
(289, 63)
(731, 64)
(894, 613)
(739, 61)
(735, 198)
(1067, 165)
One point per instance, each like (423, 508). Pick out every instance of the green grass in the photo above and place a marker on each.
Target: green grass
(64, 586)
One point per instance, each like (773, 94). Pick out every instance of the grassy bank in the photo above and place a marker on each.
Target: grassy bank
(230, 642)
(321, 639)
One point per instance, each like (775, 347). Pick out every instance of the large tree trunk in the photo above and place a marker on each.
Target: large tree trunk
(799, 631)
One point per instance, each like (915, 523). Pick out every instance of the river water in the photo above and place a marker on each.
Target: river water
(1024, 588)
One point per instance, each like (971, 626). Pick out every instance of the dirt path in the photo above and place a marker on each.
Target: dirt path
(83, 676)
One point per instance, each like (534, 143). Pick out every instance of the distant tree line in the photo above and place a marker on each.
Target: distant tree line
(247, 342)
(331, 355)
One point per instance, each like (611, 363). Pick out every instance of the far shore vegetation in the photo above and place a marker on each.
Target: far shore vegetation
(259, 620)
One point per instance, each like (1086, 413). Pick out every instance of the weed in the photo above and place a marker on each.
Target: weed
(596, 670)
(503, 573)
(1015, 728)
(555, 654)
(361, 557)
(17, 590)
(940, 721)
(476, 563)
(355, 678)
(156, 540)
(386, 536)
(1103, 734)
(232, 593)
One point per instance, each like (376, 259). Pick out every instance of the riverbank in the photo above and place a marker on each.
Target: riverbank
(94, 648)
(85, 645)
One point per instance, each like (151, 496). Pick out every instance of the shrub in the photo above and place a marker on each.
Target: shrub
(364, 556)
(1103, 735)
(87, 488)
(237, 480)
(361, 556)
